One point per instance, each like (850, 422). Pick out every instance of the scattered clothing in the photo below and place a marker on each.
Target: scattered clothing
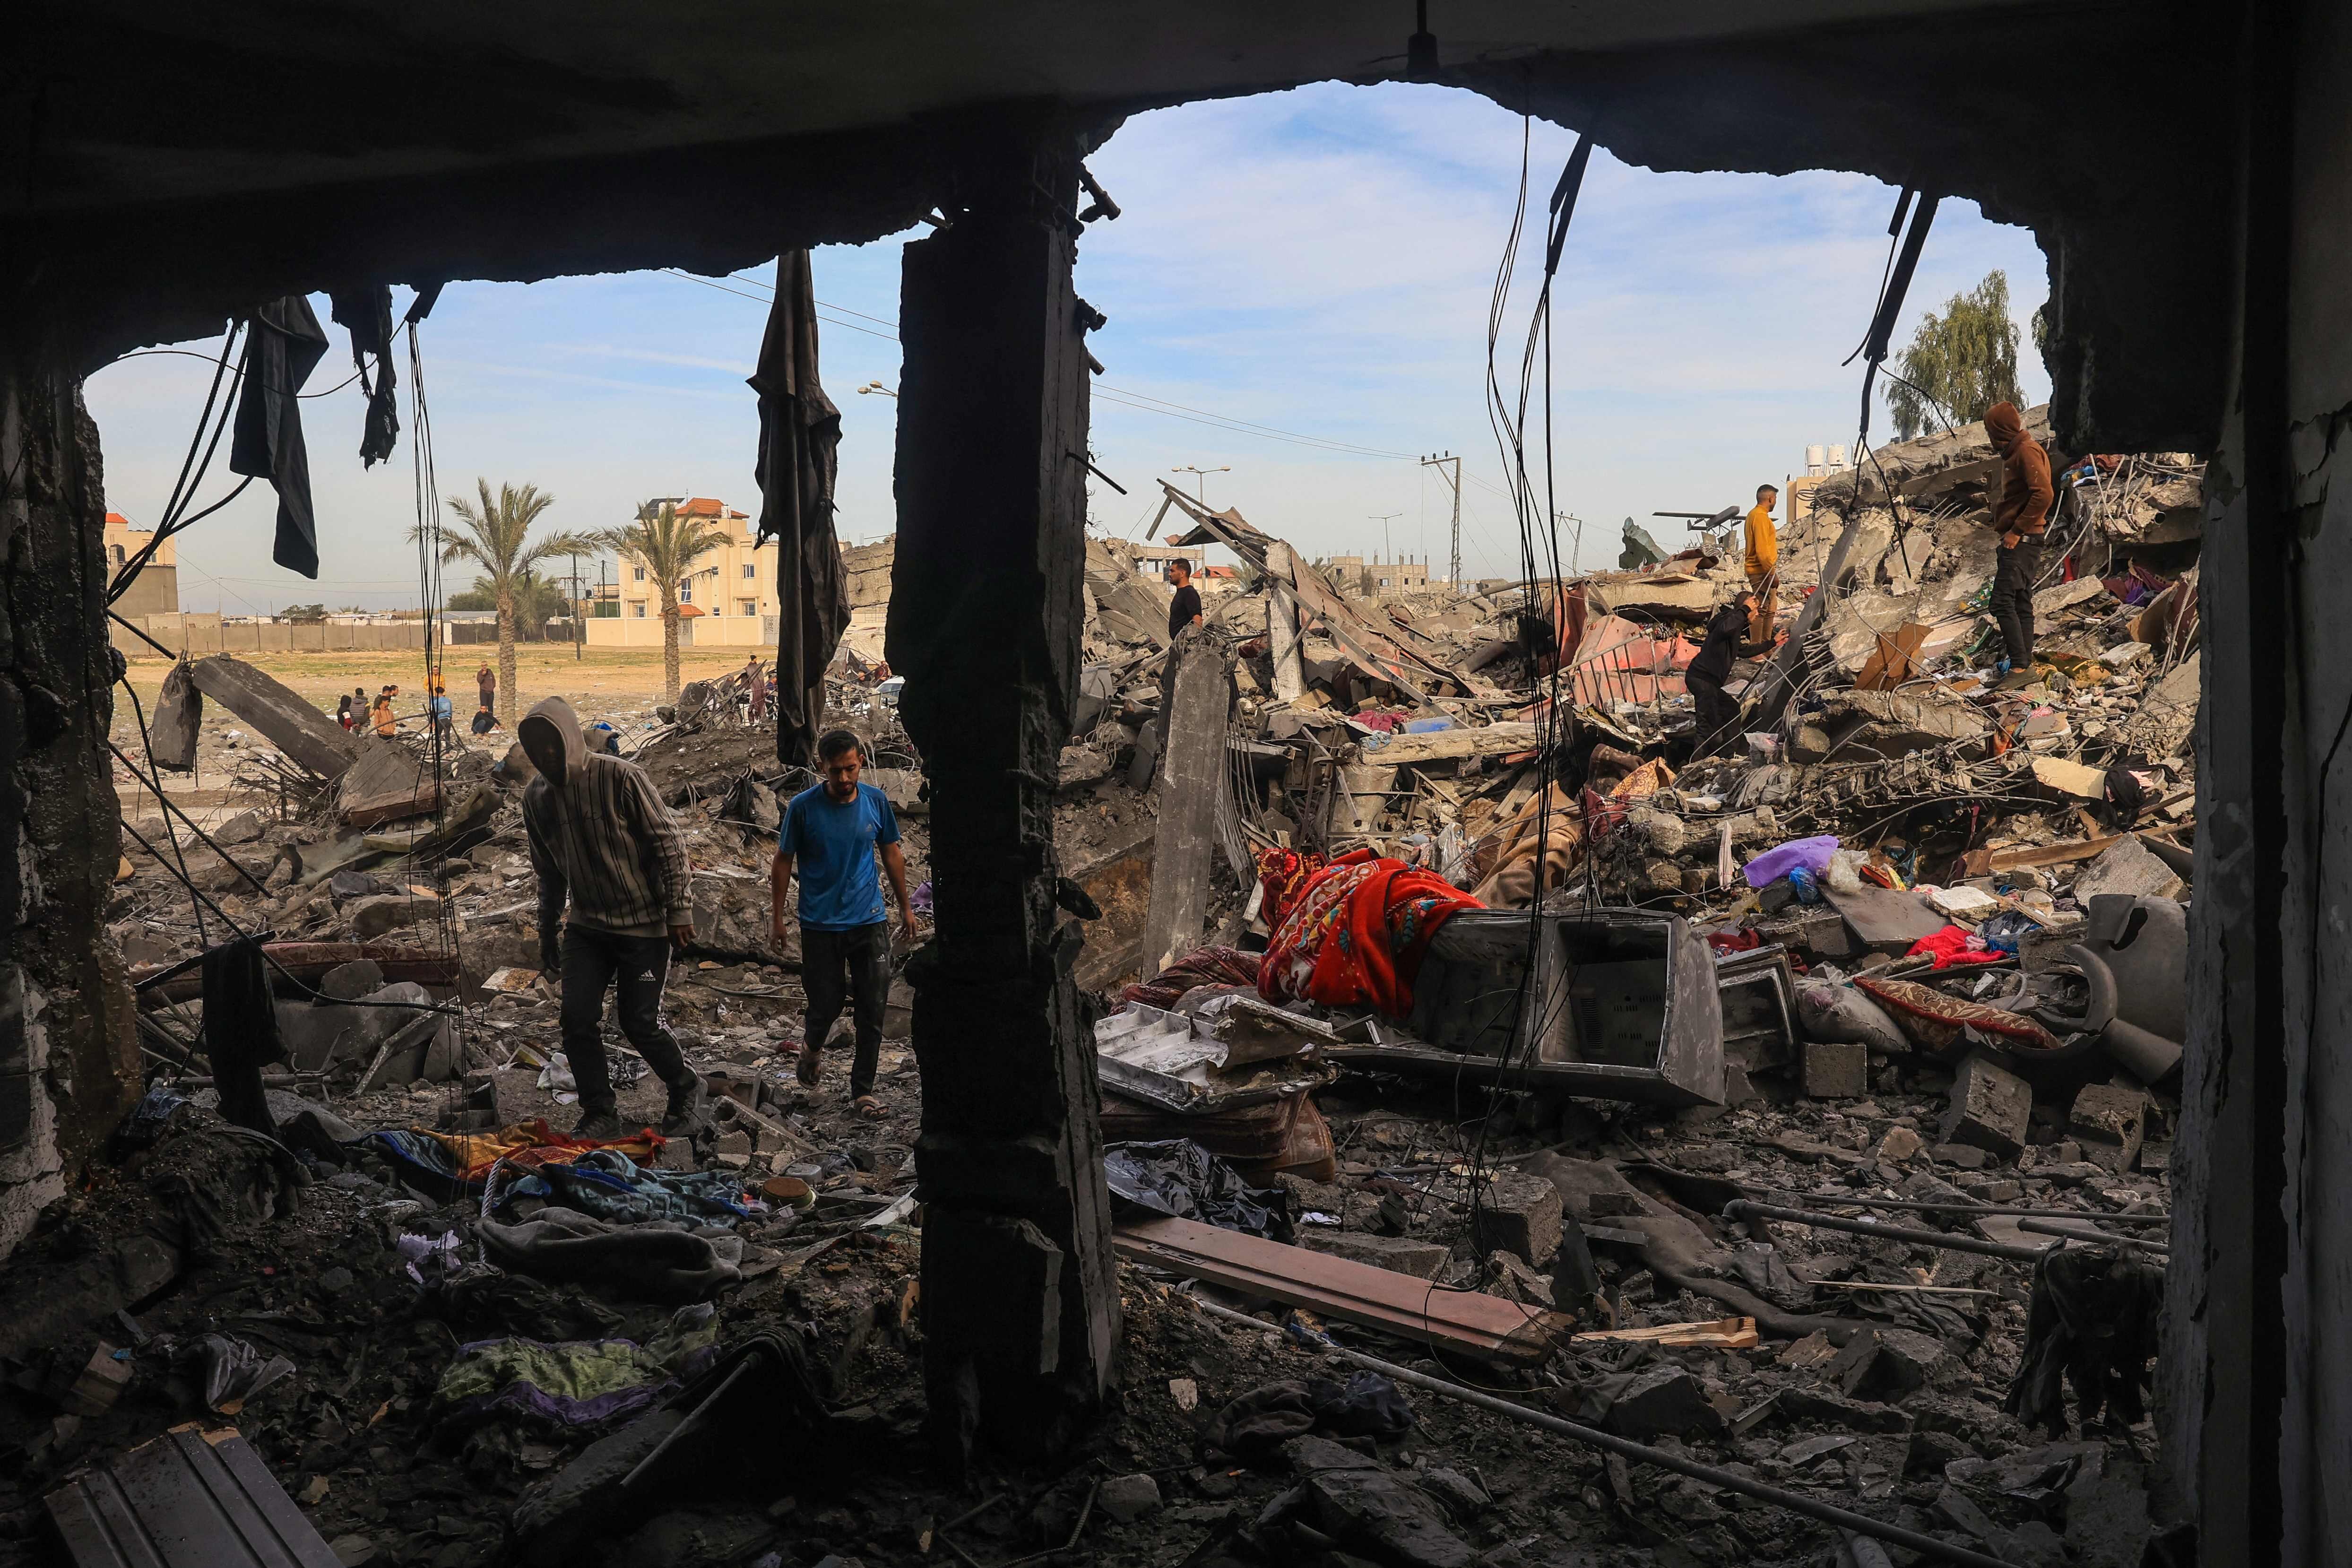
(1201, 966)
(572, 1388)
(604, 1183)
(366, 313)
(651, 1257)
(832, 844)
(240, 1030)
(1954, 945)
(529, 1145)
(1181, 1179)
(848, 965)
(283, 344)
(1254, 1427)
(1358, 934)
(2092, 1324)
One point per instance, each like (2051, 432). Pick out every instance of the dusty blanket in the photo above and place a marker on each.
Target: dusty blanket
(575, 1386)
(661, 1260)
(606, 1184)
(1358, 933)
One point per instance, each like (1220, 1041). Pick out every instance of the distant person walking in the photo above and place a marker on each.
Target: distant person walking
(2023, 514)
(1763, 566)
(755, 678)
(601, 840)
(831, 832)
(1719, 715)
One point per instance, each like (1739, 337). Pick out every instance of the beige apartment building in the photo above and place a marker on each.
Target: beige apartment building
(156, 590)
(727, 599)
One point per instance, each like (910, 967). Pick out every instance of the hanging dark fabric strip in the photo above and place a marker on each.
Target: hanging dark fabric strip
(241, 1030)
(800, 441)
(367, 313)
(285, 345)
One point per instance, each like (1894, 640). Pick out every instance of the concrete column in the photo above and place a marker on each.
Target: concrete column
(1020, 1302)
(1282, 626)
(69, 1065)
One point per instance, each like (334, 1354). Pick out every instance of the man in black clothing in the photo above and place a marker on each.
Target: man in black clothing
(1719, 715)
(1184, 610)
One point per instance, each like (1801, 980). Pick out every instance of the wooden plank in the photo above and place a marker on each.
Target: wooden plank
(2078, 779)
(1719, 1333)
(1890, 663)
(1444, 746)
(2050, 854)
(1476, 1324)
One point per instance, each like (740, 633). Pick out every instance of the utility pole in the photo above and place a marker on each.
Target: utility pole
(1454, 479)
(579, 611)
(1384, 522)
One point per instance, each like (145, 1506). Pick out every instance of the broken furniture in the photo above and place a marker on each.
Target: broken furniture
(1621, 1005)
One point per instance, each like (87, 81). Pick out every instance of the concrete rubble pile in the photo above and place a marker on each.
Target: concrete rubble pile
(1765, 1114)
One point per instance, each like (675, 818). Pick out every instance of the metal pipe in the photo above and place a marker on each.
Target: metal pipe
(1742, 1209)
(1916, 1205)
(1730, 1481)
(2090, 1233)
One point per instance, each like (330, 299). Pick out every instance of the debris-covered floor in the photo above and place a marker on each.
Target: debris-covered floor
(1812, 1132)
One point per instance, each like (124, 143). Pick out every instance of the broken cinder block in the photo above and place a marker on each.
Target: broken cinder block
(2107, 1122)
(1991, 1107)
(1836, 1069)
(1399, 1254)
(1519, 1213)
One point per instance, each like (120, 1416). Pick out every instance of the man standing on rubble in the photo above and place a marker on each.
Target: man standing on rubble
(831, 831)
(2023, 514)
(1184, 610)
(1719, 715)
(1763, 566)
(601, 835)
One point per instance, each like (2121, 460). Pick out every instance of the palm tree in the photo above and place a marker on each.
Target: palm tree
(666, 546)
(494, 536)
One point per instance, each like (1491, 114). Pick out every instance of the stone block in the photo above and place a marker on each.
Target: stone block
(2127, 866)
(1888, 1363)
(372, 917)
(1387, 1519)
(1899, 1144)
(1129, 1498)
(1991, 1107)
(1663, 1401)
(1521, 1214)
(1836, 1069)
(1967, 1157)
(1399, 1254)
(2107, 1121)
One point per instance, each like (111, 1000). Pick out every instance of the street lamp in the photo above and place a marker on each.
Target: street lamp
(877, 388)
(1200, 481)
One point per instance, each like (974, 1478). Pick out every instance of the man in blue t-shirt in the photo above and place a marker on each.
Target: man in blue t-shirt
(831, 832)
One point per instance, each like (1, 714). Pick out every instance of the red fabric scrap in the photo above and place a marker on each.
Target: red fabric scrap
(1358, 933)
(1950, 946)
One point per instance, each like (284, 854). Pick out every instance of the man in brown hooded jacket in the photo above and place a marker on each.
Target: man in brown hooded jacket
(2020, 518)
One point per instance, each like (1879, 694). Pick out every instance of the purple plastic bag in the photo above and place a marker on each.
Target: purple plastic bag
(1813, 854)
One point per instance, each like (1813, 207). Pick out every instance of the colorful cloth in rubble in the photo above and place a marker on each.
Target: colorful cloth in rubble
(1358, 933)
(606, 1183)
(461, 1160)
(1201, 966)
(575, 1386)
(1951, 946)
(1284, 873)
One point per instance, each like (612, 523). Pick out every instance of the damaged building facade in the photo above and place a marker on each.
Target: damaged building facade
(2196, 308)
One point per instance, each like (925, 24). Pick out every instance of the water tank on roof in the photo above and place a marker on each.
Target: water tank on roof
(1837, 460)
(1814, 457)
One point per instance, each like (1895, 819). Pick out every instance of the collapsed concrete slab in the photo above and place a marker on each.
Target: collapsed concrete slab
(280, 713)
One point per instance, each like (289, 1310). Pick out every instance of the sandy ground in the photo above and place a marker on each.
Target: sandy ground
(541, 670)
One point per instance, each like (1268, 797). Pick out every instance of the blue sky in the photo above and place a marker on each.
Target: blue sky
(1320, 262)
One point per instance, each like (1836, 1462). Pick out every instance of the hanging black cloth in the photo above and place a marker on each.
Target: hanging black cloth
(800, 441)
(367, 315)
(284, 347)
(241, 1031)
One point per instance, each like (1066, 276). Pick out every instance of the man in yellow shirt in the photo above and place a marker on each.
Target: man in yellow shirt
(1763, 566)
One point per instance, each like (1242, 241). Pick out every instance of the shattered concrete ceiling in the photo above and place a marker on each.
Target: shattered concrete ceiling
(264, 150)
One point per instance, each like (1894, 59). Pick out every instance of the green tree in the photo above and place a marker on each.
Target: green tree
(495, 536)
(666, 546)
(537, 601)
(303, 614)
(1961, 363)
